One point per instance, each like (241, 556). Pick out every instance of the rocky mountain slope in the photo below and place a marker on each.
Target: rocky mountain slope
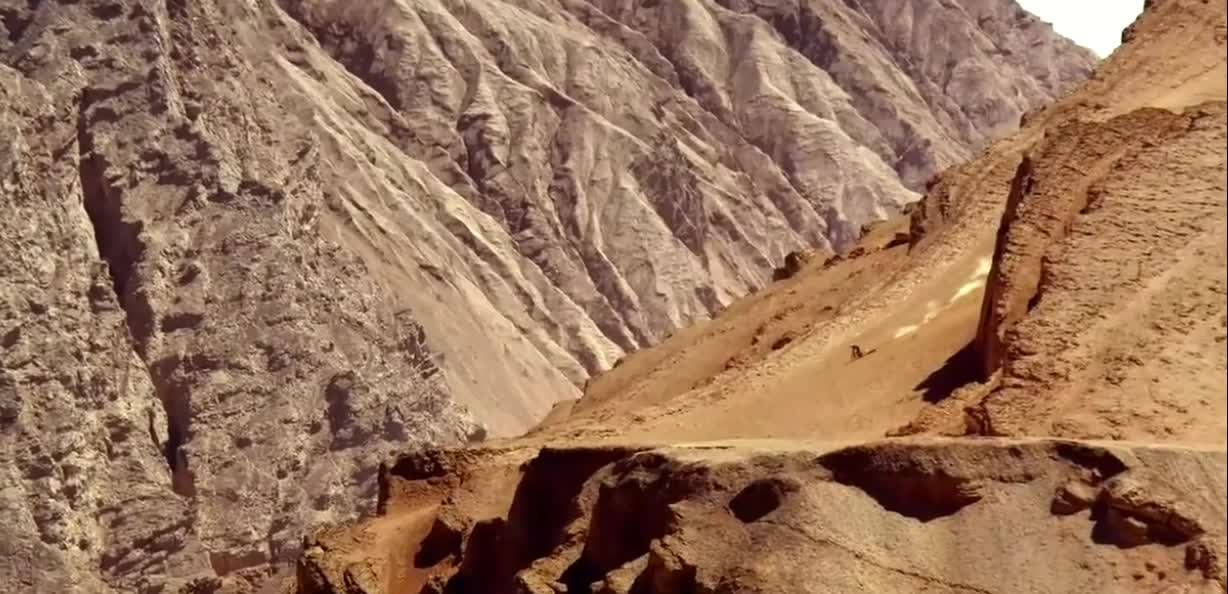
(254, 247)
(574, 180)
(631, 168)
(1019, 387)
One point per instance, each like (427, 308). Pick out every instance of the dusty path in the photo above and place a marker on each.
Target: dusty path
(829, 395)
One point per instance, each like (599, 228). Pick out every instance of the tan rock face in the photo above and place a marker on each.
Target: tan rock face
(1104, 312)
(251, 247)
(86, 497)
(193, 373)
(1095, 238)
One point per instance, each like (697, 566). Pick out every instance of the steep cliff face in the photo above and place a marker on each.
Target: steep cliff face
(1109, 273)
(193, 373)
(87, 496)
(253, 246)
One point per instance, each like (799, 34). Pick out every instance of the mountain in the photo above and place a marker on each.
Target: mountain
(1018, 385)
(605, 173)
(254, 248)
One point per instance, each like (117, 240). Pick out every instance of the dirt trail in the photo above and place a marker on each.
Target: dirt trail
(912, 324)
(829, 395)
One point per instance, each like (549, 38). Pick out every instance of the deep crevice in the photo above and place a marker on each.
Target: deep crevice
(120, 246)
(115, 239)
(579, 577)
(633, 509)
(442, 542)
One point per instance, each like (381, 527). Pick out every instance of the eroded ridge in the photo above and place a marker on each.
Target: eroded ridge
(895, 516)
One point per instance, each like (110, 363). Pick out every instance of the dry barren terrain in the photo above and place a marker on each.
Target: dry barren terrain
(251, 249)
(1018, 386)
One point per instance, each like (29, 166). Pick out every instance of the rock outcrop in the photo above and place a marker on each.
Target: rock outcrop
(1109, 258)
(1108, 280)
(904, 516)
(193, 373)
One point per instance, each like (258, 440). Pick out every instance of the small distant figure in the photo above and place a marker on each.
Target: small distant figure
(794, 262)
(858, 353)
